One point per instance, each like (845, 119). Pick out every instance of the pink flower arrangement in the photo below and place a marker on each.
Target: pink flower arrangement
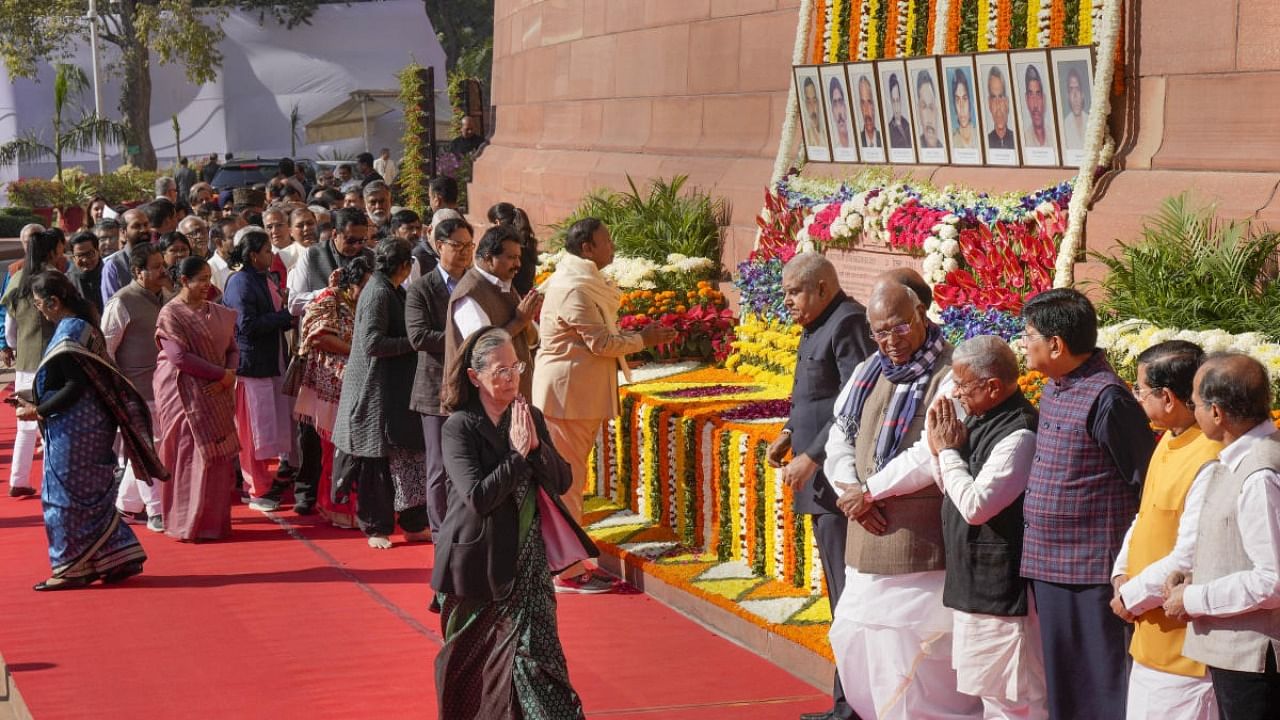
(820, 229)
(911, 224)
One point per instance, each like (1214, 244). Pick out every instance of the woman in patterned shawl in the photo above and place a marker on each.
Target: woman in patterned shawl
(195, 406)
(325, 345)
(506, 532)
(80, 401)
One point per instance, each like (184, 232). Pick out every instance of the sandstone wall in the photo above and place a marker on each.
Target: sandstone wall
(587, 91)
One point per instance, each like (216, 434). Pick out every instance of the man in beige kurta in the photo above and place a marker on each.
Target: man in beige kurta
(580, 350)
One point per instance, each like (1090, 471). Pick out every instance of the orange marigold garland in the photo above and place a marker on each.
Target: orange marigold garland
(1004, 24)
(931, 25)
(1057, 23)
(819, 30)
(890, 42)
(1117, 81)
(855, 29)
(953, 27)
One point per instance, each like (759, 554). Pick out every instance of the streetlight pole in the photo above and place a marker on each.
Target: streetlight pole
(97, 89)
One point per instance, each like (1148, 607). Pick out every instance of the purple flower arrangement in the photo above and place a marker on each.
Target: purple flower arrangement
(960, 323)
(759, 410)
(759, 283)
(706, 391)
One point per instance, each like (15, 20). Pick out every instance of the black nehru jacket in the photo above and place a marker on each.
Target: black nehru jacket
(983, 560)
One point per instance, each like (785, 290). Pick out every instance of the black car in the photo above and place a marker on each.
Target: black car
(247, 173)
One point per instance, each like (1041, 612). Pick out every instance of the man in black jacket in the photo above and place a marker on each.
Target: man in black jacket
(426, 308)
(836, 339)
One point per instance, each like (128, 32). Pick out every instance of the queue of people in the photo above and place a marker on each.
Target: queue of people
(989, 559)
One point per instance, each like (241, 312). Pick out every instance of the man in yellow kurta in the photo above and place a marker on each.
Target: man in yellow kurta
(580, 350)
(1163, 684)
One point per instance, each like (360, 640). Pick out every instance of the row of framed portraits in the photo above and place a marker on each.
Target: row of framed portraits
(1026, 107)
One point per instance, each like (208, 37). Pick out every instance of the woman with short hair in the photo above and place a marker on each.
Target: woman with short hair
(506, 532)
(80, 401)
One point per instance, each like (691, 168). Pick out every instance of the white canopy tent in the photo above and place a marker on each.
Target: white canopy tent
(353, 117)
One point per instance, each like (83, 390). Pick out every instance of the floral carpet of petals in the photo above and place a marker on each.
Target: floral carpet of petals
(682, 490)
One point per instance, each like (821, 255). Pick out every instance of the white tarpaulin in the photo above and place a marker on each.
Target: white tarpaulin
(267, 70)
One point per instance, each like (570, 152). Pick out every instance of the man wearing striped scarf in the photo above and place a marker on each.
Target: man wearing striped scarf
(890, 633)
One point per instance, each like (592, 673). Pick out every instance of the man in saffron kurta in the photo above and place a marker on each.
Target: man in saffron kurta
(890, 633)
(1164, 685)
(1092, 450)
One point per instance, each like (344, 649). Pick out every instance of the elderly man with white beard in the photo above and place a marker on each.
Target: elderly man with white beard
(890, 633)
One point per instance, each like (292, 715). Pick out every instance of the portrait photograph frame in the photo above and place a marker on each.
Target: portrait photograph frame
(1000, 148)
(964, 140)
(1072, 125)
(855, 73)
(831, 75)
(1030, 68)
(922, 112)
(813, 130)
(900, 142)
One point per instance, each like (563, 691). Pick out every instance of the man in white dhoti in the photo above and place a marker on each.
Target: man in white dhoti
(983, 466)
(890, 633)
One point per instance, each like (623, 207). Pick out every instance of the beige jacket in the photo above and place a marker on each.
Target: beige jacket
(579, 351)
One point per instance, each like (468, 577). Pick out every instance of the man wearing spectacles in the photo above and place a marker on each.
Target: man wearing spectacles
(1092, 451)
(86, 267)
(982, 468)
(1163, 683)
(878, 458)
(835, 340)
(581, 350)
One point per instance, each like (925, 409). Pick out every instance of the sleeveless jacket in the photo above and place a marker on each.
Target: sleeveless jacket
(500, 307)
(136, 355)
(1157, 640)
(1078, 505)
(913, 541)
(1239, 642)
(983, 560)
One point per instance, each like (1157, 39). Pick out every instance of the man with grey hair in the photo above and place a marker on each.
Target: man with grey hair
(982, 468)
(377, 203)
(1232, 595)
(167, 188)
(197, 232)
(835, 340)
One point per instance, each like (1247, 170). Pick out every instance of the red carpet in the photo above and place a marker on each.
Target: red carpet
(292, 617)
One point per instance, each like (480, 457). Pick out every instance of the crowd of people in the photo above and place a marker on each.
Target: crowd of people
(1113, 553)
(319, 346)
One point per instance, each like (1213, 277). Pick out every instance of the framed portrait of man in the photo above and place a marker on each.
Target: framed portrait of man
(813, 118)
(1073, 88)
(926, 110)
(962, 109)
(835, 98)
(895, 104)
(866, 112)
(999, 117)
(1036, 115)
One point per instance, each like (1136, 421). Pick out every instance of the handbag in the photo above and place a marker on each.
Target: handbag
(293, 375)
(564, 547)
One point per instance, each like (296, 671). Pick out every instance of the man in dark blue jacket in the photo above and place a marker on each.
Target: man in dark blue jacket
(836, 338)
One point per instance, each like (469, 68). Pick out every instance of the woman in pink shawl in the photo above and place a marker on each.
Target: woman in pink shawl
(327, 328)
(195, 407)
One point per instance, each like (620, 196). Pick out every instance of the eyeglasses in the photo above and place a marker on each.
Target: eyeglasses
(1025, 338)
(900, 330)
(458, 245)
(84, 255)
(963, 387)
(507, 374)
(1140, 392)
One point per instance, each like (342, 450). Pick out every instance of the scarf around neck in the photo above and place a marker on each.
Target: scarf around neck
(910, 379)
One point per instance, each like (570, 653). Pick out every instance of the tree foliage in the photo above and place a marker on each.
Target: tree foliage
(179, 32)
(460, 25)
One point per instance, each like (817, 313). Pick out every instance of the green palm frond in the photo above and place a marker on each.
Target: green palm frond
(27, 148)
(85, 134)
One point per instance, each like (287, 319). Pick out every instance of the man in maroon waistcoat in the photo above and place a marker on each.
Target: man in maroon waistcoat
(1092, 449)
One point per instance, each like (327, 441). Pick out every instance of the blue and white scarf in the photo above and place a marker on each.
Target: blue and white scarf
(911, 380)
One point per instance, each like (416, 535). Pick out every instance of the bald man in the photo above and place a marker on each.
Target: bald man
(890, 633)
(1232, 595)
(836, 339)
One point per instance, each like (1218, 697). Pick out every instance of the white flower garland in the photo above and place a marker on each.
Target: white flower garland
(779, 532)
(942, 250)
(900, 41)
(640, 482)
(791, 118)
(609, 482)
(864, 21)
(993, 21)
(1043, 20)
(707, 498)
(941, 13)
(1098, 145)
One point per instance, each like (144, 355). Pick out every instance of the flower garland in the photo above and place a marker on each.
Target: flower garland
(1044, 22)
(874, 28)
(985, 26)
(1004, 24)
(833, 47)
(1057, 23)
(1033, 23)
(909, 42)
(788, 145)
(855, 33)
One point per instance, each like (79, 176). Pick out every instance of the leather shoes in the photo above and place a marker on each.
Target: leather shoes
(21, 491)
(828, 715)
(122, 573)
(55, 584)
(303, 508)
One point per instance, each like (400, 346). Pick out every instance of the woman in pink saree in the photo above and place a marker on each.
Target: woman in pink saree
(195, 407)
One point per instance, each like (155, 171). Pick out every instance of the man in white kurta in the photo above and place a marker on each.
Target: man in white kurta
(890, 633)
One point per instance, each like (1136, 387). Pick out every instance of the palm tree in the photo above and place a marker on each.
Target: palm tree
(68, 82)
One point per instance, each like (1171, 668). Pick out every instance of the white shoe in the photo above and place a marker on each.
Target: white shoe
(155, 524)
(264, 504)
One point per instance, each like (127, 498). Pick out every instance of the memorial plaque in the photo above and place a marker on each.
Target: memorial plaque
(858, 268)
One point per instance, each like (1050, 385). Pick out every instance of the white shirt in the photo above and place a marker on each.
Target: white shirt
(468, 316)
(115, 320)
(1002, 479)
(289, 254)
(1258, 518)
(1145, 590)
(221, 271)
(386, 168)
(911, 470)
